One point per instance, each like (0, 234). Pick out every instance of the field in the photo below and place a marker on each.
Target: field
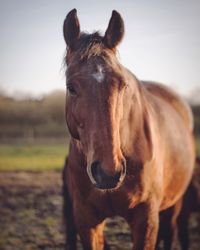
(37, 157)
(31, 201)
(31, 215)
(198, 147)
(32, 157)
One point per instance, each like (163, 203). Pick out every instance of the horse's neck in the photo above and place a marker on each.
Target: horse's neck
(136, 96)
(136, 135)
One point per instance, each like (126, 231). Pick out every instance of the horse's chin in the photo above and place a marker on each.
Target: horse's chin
(106, 188)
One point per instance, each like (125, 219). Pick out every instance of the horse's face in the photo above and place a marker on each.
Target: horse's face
(94, 107)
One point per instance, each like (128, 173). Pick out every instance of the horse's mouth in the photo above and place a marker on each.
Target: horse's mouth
(111, 187)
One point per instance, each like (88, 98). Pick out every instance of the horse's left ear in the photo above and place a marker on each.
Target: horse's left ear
(71, 28)
(115, 31)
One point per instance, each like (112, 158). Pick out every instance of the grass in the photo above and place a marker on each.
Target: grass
(38, 157)
(32, 157)
(198, 146)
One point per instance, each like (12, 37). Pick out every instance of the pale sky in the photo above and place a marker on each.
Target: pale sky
(161, 43)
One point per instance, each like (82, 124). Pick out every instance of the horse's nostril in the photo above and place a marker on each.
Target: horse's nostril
(99, 175)
(95, 170)
(103, 180)
(116, 177)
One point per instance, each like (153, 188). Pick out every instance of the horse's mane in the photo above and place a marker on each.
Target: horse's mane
(89, 45)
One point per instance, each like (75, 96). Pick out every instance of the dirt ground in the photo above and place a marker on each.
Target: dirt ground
(31, 215)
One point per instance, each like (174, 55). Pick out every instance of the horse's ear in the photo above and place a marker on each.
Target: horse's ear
(115, 31)
(71, 28)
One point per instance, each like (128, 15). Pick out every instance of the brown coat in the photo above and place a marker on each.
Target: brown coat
(131, 152)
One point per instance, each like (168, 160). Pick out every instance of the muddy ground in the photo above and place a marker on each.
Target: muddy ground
(31, 215)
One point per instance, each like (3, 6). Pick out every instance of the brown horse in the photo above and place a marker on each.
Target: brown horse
(131, 152)
(176, 218)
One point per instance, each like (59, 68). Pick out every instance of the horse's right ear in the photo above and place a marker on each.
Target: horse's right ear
(71, 28)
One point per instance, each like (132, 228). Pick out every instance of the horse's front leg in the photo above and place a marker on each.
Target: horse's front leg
(144, 223)
(70, 229)
(92, 238)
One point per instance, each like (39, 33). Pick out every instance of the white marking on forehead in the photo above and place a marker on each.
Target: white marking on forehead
(99, 75)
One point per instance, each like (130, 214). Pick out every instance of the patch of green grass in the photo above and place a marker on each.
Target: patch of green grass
(198, 146)
(50, 221)
(32, 157)
(36, 157)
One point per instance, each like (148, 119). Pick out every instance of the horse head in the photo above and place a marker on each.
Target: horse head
(95, 93)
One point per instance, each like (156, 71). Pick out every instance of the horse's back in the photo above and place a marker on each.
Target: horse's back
(165, 93)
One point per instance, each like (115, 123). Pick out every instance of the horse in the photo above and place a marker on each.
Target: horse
(131, 149)
(175, 220)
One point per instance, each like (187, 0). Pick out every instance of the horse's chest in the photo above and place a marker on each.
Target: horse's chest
(112, 203)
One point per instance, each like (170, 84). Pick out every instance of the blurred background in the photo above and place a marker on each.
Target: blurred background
(161, 43)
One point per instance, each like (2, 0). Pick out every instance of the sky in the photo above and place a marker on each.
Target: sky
(161, 42)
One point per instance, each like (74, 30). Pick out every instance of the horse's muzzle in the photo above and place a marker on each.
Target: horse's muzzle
(104, 181)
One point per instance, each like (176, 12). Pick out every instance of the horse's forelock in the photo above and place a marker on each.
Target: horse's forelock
(87, 46)
(90, 48)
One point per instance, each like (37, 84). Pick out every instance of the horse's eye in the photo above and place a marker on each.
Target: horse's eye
(71, 90)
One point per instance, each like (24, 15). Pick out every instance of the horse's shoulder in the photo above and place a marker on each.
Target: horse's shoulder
(168, 95)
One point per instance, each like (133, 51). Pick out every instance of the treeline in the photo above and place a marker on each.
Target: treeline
(43, 119)
(33, 119)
